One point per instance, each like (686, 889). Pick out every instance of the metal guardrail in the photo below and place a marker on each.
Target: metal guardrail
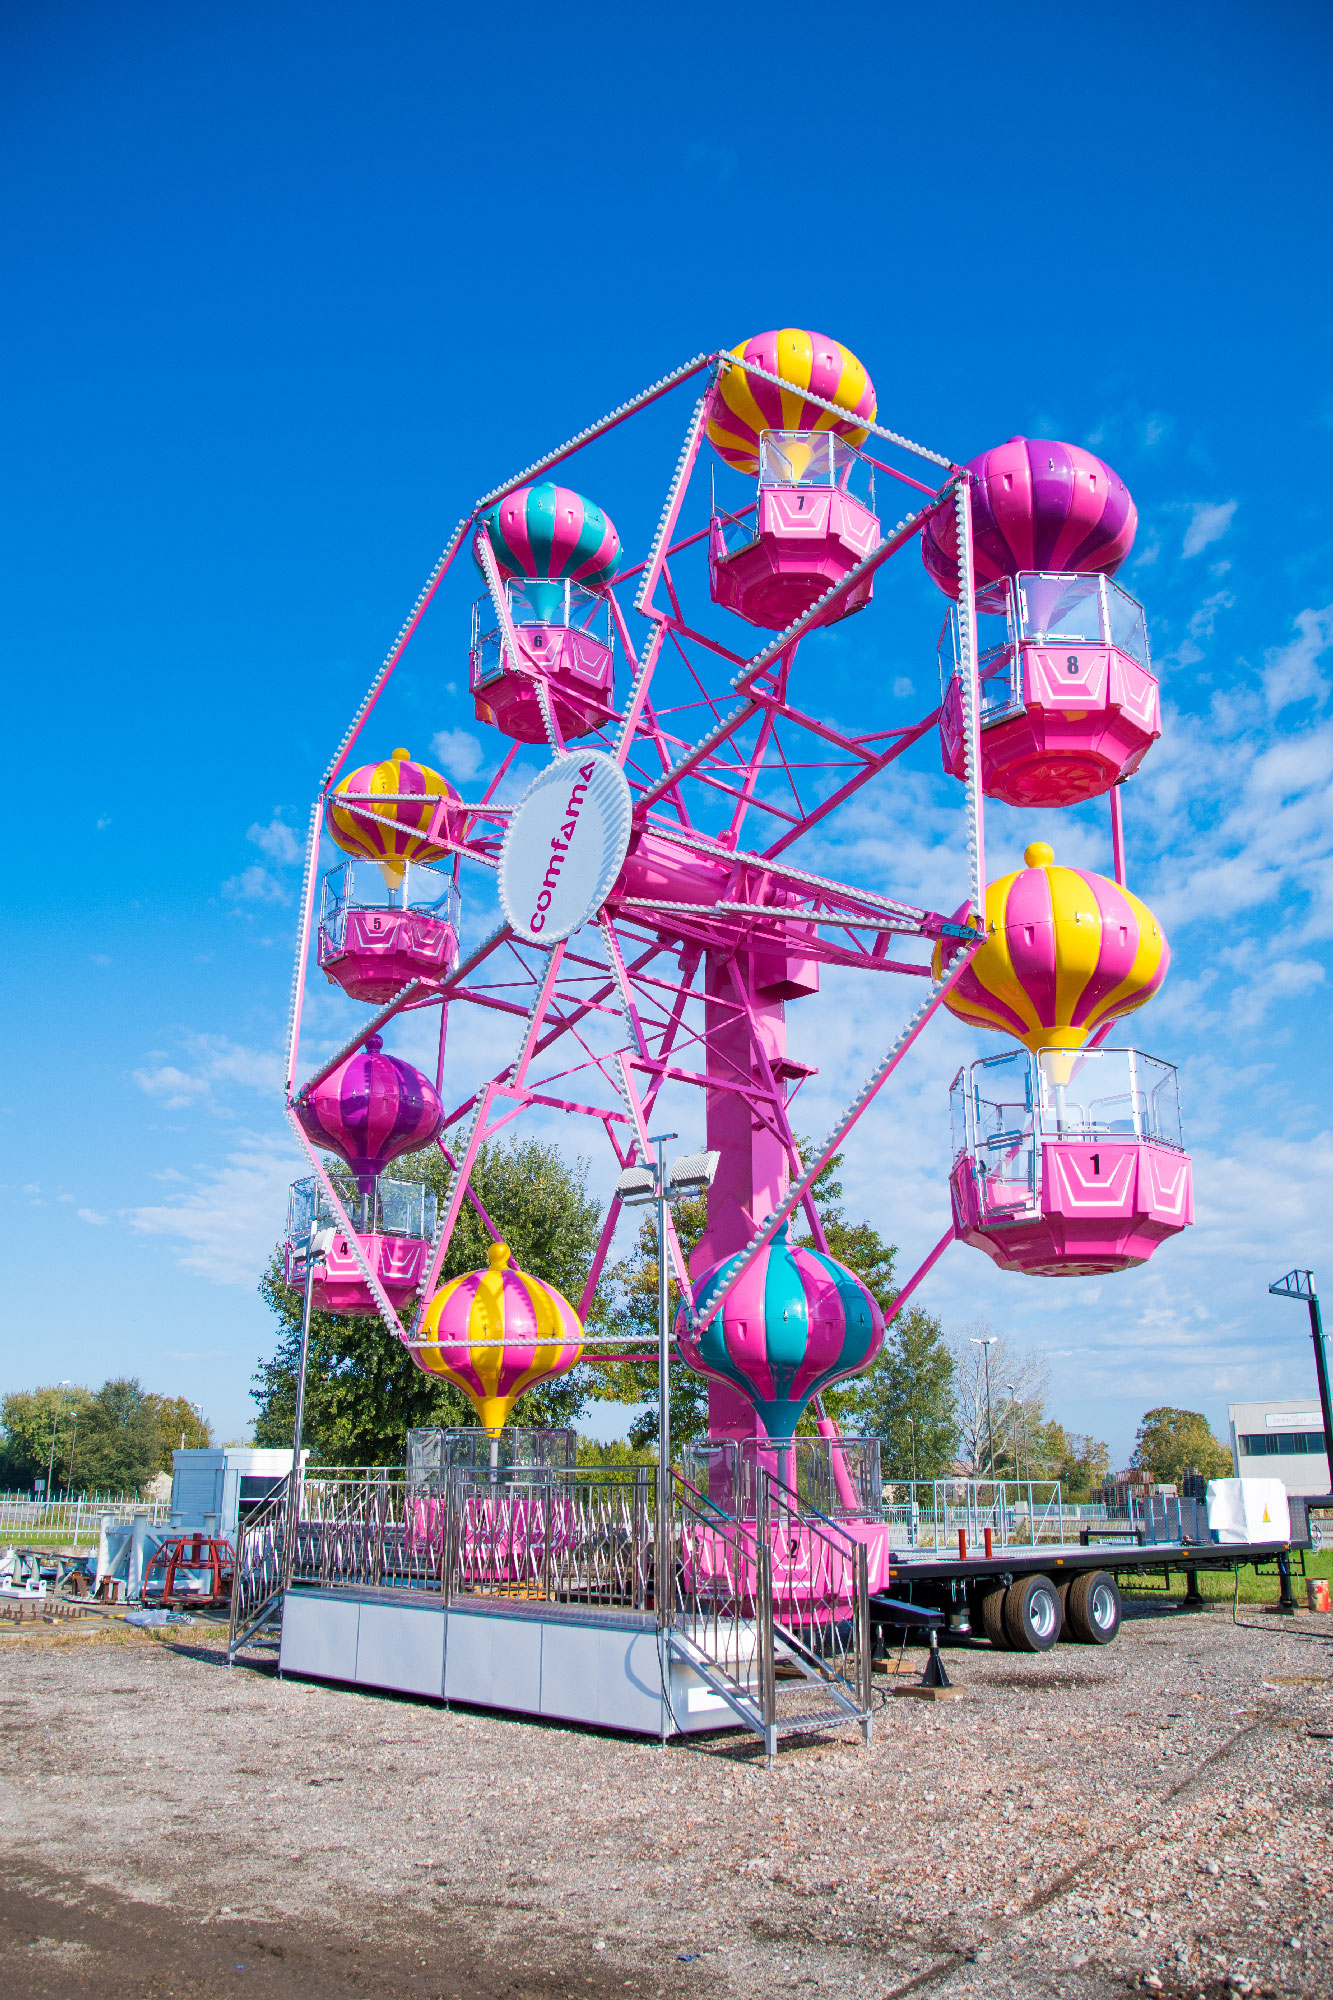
(1019, 1513)
(74, 1520)
(260, 1574)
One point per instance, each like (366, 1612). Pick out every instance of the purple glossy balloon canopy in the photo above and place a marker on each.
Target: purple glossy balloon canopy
(1036, 504)
(370, 1109)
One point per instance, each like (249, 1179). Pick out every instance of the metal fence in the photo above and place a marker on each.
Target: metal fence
(928, 1514)
(260, 1574)
(73, 1521)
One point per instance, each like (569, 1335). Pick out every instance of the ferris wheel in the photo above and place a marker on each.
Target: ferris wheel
(658, 910)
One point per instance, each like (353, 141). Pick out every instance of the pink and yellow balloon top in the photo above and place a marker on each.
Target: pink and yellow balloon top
(394, 836)
(741, 405)
(539, 1327)
(1066, 952)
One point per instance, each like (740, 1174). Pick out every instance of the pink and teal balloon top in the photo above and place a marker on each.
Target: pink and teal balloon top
(537, 1325)
(796, 1321)
(1036, 504)
(550, 532)
(371, 1109)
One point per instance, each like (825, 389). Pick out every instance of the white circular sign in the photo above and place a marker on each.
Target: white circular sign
(565, 846)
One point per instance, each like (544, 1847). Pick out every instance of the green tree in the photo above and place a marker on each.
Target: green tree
(907, 1399)
(1170, 1440)
(363, 1390)
(32, 1420)
(118, 1445)
(179, 1425)
(1080, 1463)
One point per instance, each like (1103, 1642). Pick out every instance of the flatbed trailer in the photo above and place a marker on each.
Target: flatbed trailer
(1028, 1597)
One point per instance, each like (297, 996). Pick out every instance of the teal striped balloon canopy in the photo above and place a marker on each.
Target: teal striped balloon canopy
(551, 532)
(794, 1322)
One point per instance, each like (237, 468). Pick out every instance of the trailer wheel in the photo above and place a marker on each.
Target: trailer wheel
(1093, 1608)
(992, 1616)
(1032, 1614)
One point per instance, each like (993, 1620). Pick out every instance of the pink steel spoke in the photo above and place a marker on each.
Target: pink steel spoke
(377, 1291)
(869, 1090)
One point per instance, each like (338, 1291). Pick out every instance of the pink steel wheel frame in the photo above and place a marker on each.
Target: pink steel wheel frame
(728, 774)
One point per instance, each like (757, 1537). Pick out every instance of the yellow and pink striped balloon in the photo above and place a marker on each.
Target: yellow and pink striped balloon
(741, 405)
(539, 1327)
(394, 836)
(1066, 952)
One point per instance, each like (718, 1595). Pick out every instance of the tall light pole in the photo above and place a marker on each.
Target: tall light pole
(1017, 1406)
(317, 1242)
(55, 1420)
(911, 1434)
(652, 1187)
(1300, 1285)
(986, 1346)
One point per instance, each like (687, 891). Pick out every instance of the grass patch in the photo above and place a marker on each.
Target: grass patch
(1257, 1586)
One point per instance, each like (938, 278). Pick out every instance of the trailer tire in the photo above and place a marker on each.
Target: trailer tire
(992, 1616)
(1032, 1614)
(1093, 1608)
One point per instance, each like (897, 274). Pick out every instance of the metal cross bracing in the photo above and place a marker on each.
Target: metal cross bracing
(718, 920)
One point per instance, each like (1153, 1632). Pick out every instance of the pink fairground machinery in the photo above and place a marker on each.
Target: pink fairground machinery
(652, 875)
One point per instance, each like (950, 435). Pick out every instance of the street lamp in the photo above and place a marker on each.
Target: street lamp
(1013, 1398)
(911, 1438)
(317, 1244)
(1300, 1285)
(986, 1346)
(652, 1186)
(55, 1420)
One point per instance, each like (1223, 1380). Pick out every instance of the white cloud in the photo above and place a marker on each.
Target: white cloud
(1291, 672)
(224, 1230)
(91, 1215)
(1209, 521)
(173, 1086)
(214, 1061)
(254, 885)
(276, 840)
(1202, 625)
(458, 751)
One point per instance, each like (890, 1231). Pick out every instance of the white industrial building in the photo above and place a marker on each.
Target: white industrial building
(1280, 1441)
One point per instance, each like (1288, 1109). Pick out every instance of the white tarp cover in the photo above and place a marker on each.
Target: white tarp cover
(1248, 1510)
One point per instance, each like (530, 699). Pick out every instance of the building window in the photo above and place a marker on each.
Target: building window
(1281, 1444)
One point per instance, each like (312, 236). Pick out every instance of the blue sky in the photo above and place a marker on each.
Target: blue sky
(290, 285)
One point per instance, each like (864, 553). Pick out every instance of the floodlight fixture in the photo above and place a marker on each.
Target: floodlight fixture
(692, 1173)
(637, 1187)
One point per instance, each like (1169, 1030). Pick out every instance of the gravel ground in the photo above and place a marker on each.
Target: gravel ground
(1154, 1816)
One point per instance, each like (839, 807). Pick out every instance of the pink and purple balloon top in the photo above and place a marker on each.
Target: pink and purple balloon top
(796, 1321)
(371, 1109)
(1036, 504)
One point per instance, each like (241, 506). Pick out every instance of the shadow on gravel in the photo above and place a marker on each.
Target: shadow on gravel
(63, 1939)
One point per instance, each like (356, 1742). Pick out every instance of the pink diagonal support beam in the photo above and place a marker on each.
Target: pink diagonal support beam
(869, 1090)
(303, 942)
(381, 1297)
(922, 1271)
(456, 1192)
(821, 607)
(680, 479)
(645, 1153)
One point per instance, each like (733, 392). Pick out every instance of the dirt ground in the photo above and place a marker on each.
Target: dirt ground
(1149, 1817)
